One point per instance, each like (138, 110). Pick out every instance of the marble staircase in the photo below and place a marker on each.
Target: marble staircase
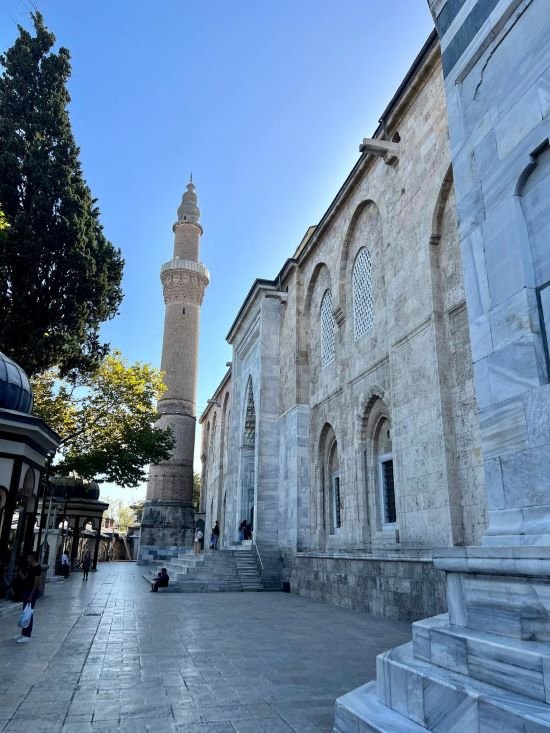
(227, 570)
(413, 695)
(482, 668)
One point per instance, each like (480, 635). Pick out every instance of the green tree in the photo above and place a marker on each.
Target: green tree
(196, 492)
(137, 508)
(122, 513)
(59, 275)
(105, 420)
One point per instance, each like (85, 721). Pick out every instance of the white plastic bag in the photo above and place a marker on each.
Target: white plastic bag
(25, 617)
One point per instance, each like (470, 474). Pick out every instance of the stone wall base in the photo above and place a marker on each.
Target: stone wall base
(398, 588)
(167, 529)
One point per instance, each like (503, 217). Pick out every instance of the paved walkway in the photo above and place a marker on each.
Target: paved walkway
(108, 655)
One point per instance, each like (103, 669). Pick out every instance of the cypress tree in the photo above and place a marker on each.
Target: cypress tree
(59, 275)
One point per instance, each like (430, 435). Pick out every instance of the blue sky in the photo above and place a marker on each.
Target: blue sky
(265, 103)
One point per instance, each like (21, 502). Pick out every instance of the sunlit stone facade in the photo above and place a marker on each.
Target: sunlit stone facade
(345, 430)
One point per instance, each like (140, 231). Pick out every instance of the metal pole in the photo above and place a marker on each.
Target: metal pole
(47, 531)
(44, 489)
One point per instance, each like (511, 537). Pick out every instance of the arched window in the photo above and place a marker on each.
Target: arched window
(213, 437)
(328, 349)
(334, 488)
(363, 304)
(384, 455)
(249, 433)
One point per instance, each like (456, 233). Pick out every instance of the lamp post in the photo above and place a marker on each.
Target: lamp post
(45, 479)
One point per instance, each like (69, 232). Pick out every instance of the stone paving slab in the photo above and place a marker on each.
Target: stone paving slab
(108, 655)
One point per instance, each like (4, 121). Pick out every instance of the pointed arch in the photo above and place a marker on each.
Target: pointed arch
(343, 283)
(441, 202)
(375, 393)
(319, 270)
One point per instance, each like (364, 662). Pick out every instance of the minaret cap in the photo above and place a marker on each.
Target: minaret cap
(188, 209)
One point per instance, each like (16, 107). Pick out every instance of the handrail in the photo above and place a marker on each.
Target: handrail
(255, 546)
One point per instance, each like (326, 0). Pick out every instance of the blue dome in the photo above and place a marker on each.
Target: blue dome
(15, 388)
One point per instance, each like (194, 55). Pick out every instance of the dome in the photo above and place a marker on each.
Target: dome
(188, 209)
(73, 488)
(15, 388)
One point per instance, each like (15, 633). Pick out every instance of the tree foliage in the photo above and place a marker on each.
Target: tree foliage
(105, 420)
(59, 275)
(197, 492)
(123, 514)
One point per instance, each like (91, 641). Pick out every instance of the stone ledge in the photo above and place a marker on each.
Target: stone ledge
(531, 560)
(362, 556)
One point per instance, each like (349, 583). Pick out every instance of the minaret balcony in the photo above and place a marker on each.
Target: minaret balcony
(179, 264)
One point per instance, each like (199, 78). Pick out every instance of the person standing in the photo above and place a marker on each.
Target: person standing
(86, 562)
(31, 591)
(197, 541)
(65, 565)
(215, 535)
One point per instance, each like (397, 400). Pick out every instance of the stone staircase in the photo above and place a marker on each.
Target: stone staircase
(451, 679)
(213, 571)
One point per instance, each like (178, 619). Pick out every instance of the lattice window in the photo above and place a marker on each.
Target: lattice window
(249, 434)
(363, 302)
(213, 435)
(328, 347)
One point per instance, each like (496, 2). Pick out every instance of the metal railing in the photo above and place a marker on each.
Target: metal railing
(255, 546)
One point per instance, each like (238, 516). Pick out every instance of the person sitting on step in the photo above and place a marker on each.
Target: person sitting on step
(161, 581)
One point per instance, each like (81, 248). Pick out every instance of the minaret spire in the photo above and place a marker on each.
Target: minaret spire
(168, 516)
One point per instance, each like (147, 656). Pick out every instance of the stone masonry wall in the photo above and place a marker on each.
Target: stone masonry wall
(402, 590)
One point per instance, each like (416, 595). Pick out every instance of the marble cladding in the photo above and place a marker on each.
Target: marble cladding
(522, 667)
(444, 701)
(499, 127)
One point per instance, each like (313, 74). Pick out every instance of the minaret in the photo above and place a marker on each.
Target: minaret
(167, 521)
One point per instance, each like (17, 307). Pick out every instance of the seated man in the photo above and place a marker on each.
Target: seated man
(161, 581)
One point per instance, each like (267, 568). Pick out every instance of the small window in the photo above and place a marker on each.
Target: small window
(363, 303)
(328, 347)
(337, 505)
(387, 491)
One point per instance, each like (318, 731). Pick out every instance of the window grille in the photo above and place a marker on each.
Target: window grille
(328, 348)
(363, 302)
(337, 504)
(388, 491)
(249, 437)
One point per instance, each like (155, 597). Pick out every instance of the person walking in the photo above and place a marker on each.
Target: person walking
(31, 591)
(197, 541)
(86, 562)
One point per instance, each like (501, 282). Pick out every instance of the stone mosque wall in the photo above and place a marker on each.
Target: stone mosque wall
(346, 429)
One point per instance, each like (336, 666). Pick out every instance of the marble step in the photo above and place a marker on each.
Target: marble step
(448, 702)
(206, 586)
(512, 664)
(352, 710)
